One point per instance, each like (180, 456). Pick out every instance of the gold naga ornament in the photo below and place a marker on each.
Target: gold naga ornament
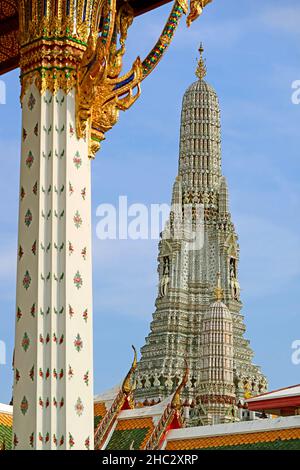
(176, 403)
(128, 385)
(123, 400)
(101, 92)
(196, 10)
(66, 44)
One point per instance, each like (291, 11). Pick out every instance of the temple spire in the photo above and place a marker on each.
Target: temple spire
(201, 68)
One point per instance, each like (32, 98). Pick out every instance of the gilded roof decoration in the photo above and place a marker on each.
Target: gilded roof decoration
(9, 25)
(9, 45)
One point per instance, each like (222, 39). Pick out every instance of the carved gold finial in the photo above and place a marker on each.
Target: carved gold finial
(201, 68)
(128, 386)
(176, 400)
(219, 293)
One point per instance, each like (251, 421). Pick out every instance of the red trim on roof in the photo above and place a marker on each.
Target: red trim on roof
(273, 391)
(274, 403)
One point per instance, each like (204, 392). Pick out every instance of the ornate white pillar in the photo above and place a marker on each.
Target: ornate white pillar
(53, 355)
(53, 386)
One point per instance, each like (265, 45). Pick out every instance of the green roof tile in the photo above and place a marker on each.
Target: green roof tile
(6, 436)
(126, 439)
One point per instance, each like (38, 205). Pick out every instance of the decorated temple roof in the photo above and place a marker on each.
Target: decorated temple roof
(134, 428)
(6, 420)
(9, 24)
(268, 434)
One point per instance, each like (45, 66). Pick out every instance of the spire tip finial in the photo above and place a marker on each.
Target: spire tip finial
(201, 68)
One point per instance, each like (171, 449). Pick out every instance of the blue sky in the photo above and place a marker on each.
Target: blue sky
(253, 56)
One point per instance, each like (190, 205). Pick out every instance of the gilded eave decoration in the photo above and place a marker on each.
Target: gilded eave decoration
(9, 43)
(66, 44)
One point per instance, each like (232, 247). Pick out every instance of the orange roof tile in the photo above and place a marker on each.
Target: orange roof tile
(135, 423)
(234, 439)
(100, 409)
(6, 419)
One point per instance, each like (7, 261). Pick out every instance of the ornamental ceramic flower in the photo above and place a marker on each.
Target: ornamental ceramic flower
(24, 406)
(79, 407)
(71, 440)
(78, 280)
(85, 315)
(86, 378)
(16, 440)
(25, 342)
(33, 310)
(87, 443)
(71, 130)
(70, 372)
(77, 160)
(29, 160)
(31, 373)
(20, 252)
(83, 253)
(22, 193)
(19, 314)
(78, 343)
(26, 280)
(71, 311)
(77, 220)
(31, 102)
(28, 218)
(71, 189)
